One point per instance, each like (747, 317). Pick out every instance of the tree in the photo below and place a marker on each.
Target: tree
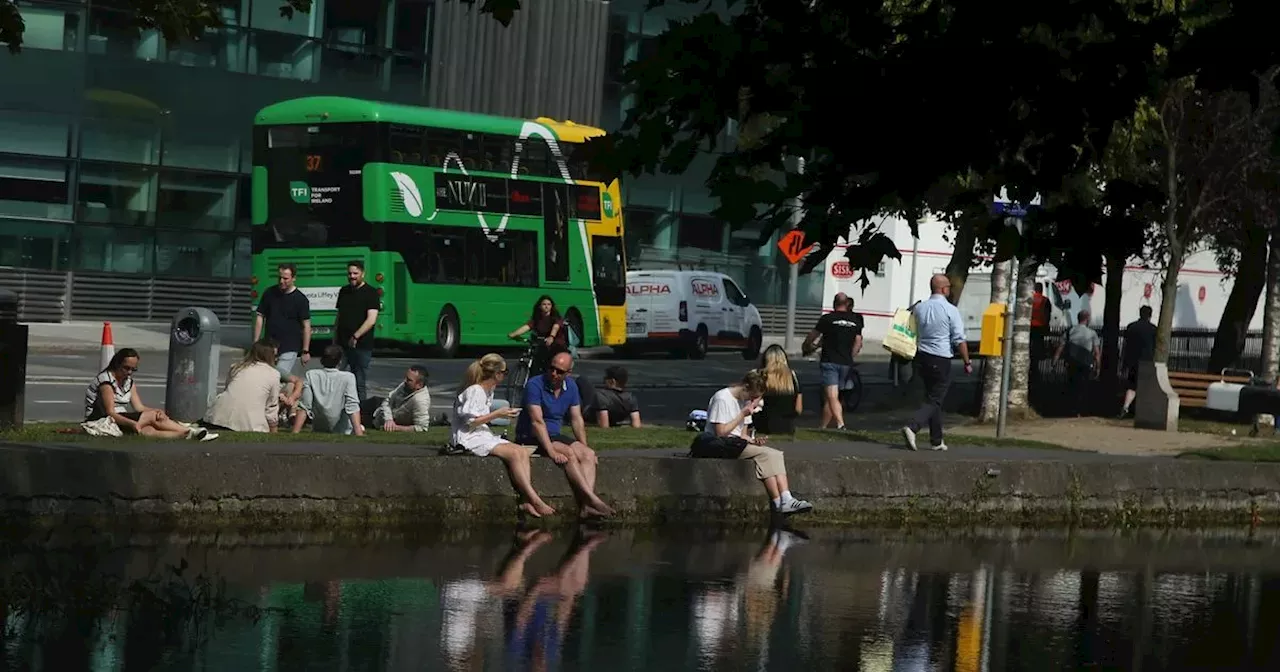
(1053, 77)
(994, 368)
(179, 20)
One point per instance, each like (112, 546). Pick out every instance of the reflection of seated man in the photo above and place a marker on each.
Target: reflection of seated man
(408, 407)
(612, 405)
(329, 397)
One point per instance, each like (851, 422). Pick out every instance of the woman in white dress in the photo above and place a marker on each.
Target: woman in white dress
(472, 413)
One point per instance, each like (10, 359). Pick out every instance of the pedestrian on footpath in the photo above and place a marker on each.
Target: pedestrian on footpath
(284, 313)
(1139, 346)
(940, 333)
(358, 306)
(1084, 358)
(841, 333)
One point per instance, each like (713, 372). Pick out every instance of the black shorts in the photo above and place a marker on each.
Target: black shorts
(132, 416)
(1131, 380)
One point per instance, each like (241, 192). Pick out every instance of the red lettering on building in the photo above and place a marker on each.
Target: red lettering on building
(841, 269)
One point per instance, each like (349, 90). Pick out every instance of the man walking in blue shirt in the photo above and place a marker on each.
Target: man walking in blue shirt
(940, 331)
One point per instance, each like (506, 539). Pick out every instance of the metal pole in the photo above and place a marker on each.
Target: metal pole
(1007, 344)
(915, 256)
(793, 273)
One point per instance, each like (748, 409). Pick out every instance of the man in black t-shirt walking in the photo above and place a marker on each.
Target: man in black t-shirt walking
(284, 314)
(358, 306)
(841, 333)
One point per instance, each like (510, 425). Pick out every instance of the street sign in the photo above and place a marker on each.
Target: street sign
(793, 247)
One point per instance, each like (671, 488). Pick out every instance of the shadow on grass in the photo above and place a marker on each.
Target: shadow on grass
(1260, 452)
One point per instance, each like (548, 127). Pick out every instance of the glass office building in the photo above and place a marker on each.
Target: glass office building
(124, 159)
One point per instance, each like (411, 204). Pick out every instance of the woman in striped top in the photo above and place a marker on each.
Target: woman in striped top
(113, 395)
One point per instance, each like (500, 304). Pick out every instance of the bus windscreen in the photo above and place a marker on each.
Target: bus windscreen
(314, 184)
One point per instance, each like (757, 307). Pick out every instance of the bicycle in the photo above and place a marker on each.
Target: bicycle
(519, 375)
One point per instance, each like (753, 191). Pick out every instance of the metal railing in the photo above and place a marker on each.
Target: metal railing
(50, 296)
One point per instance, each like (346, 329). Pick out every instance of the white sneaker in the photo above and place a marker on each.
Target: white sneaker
(794, 506)
(197, 433)
(208, 436)
(940, 446)
(910, 437)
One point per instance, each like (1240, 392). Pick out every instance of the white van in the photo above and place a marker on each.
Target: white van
(687, 312)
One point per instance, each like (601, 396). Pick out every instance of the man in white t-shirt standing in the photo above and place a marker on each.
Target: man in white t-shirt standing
(725, 437)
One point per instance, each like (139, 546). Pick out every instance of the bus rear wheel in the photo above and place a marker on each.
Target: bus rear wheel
(447, 333)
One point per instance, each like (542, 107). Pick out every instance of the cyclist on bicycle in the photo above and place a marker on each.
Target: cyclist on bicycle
(547, 326)
(841, 333)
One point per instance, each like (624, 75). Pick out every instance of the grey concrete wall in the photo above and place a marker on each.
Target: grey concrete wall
(177, 485)
(548, 62)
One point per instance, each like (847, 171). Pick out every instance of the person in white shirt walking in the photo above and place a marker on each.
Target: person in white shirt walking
(940, 333)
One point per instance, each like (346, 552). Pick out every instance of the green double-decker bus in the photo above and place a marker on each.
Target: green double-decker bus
(462, 220)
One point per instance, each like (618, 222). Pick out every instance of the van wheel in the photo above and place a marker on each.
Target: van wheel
(698, 349)
(447, 333)
(754, 341)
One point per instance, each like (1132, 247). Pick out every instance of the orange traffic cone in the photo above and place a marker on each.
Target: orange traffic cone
(108, 347)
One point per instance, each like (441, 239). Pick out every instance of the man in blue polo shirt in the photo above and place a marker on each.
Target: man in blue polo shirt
(549, 398)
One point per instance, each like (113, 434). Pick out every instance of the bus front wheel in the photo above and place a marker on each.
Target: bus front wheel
(447, 333)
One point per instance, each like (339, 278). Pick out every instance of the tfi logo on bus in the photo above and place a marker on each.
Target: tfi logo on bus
(300, 192)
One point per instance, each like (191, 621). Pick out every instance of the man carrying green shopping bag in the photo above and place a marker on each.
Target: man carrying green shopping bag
(940, 332)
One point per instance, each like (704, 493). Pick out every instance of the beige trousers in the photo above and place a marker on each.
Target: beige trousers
(768, 460)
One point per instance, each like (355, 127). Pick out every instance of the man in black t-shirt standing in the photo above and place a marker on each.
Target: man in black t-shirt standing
(284, 314)
(358, 306)
(841, 333)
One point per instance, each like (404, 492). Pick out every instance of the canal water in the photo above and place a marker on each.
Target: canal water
(684, 599)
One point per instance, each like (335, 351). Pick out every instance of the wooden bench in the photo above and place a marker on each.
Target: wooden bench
(1193, 388)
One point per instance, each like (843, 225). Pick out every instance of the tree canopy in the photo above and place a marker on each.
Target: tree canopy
(180, 20)
(903, 106)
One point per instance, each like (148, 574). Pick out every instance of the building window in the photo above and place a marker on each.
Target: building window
(113, 249)
(35, 188)
(123, 140)
(114, 33)
(35, 245)
(194, 201)
(52, 28)
(282, 55)
(203, 148)
(116, 194)
(265, 15)
(34, 132)
(702, 232)
(411, 24)
(201, 255)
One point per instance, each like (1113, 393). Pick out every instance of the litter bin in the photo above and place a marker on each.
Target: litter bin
(193, 364)
(13, 363)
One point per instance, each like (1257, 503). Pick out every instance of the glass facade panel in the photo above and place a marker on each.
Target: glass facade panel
(122, 140)
(409, 29)
(116, 194)
(265, 15)
(408, 78)
(113, 33)
(25, 132)
(201, 255)
(197, 146)
(113, 249)
(282, 55)
(351, 67)
(37, 188)
(221, 48)
(55, 28)
(35, 245)
(195, 201)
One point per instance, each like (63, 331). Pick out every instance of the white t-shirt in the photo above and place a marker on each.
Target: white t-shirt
(724, 408)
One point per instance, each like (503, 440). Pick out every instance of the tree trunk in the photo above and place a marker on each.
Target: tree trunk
(994, 365)
(1168, 298)
(1020, 364)
(1250, 280)
(1112, 319)
(961, 258)
(1271, 321)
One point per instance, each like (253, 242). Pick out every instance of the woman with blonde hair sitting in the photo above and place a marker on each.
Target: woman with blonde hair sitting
(783, 402)
(251, 400)
(469, 430)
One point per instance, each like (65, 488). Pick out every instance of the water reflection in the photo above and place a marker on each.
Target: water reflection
(627, 600)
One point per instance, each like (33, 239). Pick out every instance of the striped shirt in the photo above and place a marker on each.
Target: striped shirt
(122, 394)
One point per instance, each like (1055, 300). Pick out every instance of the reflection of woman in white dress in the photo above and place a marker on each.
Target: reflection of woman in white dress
(472, 413)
